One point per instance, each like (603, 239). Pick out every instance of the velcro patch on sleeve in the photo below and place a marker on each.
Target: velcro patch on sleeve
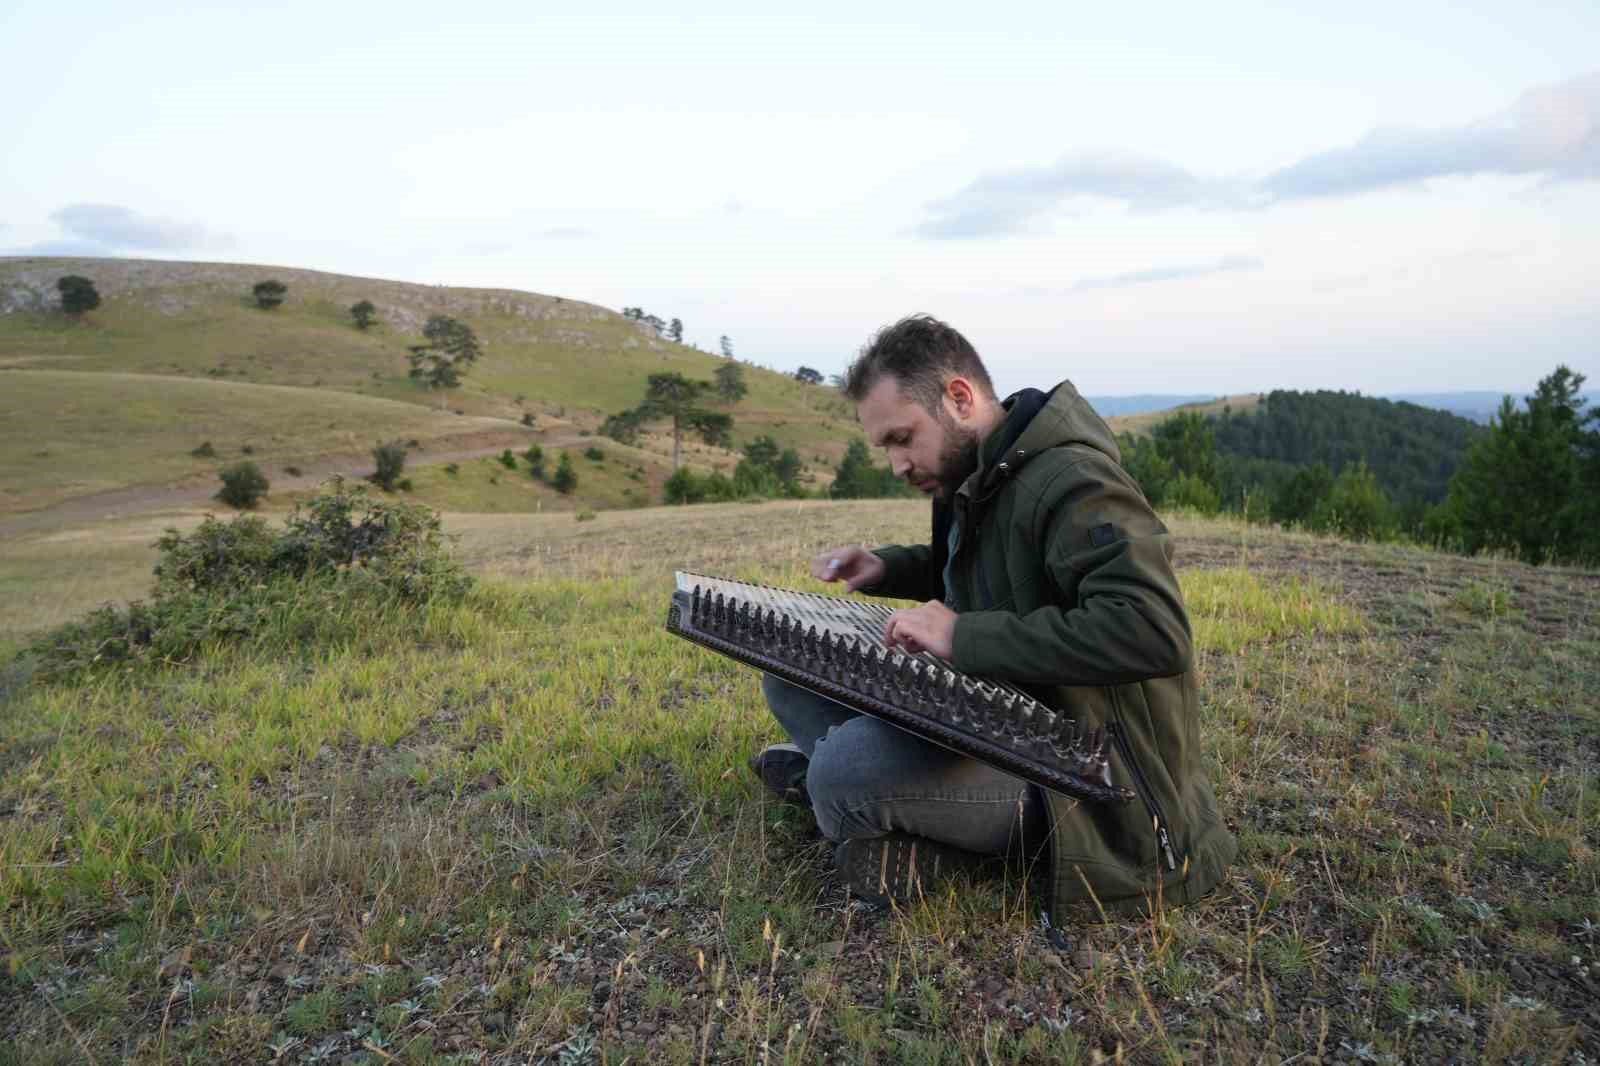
(1102, 535)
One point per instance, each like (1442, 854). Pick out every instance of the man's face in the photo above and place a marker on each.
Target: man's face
(933, 451)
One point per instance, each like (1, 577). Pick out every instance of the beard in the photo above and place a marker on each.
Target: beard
(958, 458)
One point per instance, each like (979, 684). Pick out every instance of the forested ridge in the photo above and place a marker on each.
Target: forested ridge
(1411, 450)
(1528, 484)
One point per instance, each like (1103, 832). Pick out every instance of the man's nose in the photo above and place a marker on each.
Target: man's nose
(899, 464)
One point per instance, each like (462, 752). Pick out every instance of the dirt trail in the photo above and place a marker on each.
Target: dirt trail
(141, 499)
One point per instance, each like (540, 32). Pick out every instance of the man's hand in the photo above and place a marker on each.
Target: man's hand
(931, 627)
(855, 566)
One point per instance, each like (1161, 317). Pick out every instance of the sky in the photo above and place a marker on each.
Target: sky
(1144, 198)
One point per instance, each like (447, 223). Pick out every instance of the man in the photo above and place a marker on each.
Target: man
(1047, 569)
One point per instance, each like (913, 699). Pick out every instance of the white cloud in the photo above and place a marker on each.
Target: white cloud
(1226, 265)
(1553, 130)
(115, 226)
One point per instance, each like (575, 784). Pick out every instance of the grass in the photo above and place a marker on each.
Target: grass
(520, 826)
(565, 363)
(68, 433)
(625, 477)
(1141, 424)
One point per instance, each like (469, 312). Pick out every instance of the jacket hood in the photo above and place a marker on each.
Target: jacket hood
(1036, 421)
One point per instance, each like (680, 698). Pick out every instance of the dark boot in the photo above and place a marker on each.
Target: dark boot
(900, 867)
(782, 768)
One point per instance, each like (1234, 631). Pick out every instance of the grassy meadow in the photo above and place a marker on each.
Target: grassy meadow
(67, 433)
(179, 353)
(519, 828)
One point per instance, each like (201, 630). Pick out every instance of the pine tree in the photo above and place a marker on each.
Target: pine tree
(1528, 487)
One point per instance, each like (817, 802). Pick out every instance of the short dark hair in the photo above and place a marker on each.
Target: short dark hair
(921, 353)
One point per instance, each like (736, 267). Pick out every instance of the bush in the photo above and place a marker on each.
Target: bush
(1189, 490)
(337, 557)
(78, 294)
(243, 485)
(364, 313)
(205, 451)
(1356, 507)
(686, 486)
(527, 418)
(508, 460)
(585, 515)
(269, 294)
(405, 485)
(566, 478)
(452, 469)
(595, 453)
(391, 461)
(535, 457)
(1297, 499)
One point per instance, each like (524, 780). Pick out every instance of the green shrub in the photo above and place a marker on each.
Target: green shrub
(243, 485)
(452, 469)
(585, 515)
(1297, 499)
(337, 557)
(1355, 507)
(535, 457)
(1189, 490)
(269, 294)
(566, 478)
(391, 461)
(205, 451)
(508, 460)
(527, 418)
(406, 485)
(686, 486)
(595, 453)
(78, 294)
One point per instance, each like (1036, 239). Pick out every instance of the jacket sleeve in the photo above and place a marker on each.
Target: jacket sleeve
(1120, 614)
(909, 573)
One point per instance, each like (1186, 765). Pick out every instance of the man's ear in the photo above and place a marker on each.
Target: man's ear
(958, 392)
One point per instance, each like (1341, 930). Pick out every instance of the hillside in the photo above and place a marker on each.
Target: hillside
(519, 827)
(1412, 450)
(562, 364)
(1141, 424)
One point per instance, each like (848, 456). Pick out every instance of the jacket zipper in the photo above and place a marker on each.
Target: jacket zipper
(1145, 793)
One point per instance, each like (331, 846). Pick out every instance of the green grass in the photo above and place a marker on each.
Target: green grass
(521, 824)
(626, 477)
(565, 363)
(69, 433)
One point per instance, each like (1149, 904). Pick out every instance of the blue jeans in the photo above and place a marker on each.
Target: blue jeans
(867, 778)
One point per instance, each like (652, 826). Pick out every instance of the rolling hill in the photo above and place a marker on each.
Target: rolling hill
(553, 369)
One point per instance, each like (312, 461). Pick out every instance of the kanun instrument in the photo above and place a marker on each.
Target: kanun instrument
(835, 647)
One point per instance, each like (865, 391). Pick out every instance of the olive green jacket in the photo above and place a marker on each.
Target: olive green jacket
(1063, 583)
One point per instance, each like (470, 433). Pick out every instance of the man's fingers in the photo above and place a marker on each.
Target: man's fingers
(897, 634)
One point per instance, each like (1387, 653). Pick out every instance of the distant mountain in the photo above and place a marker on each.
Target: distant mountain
(1143, 403)
(1478, 406)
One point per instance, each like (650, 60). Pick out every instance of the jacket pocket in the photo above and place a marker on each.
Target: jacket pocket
(1118, 729)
